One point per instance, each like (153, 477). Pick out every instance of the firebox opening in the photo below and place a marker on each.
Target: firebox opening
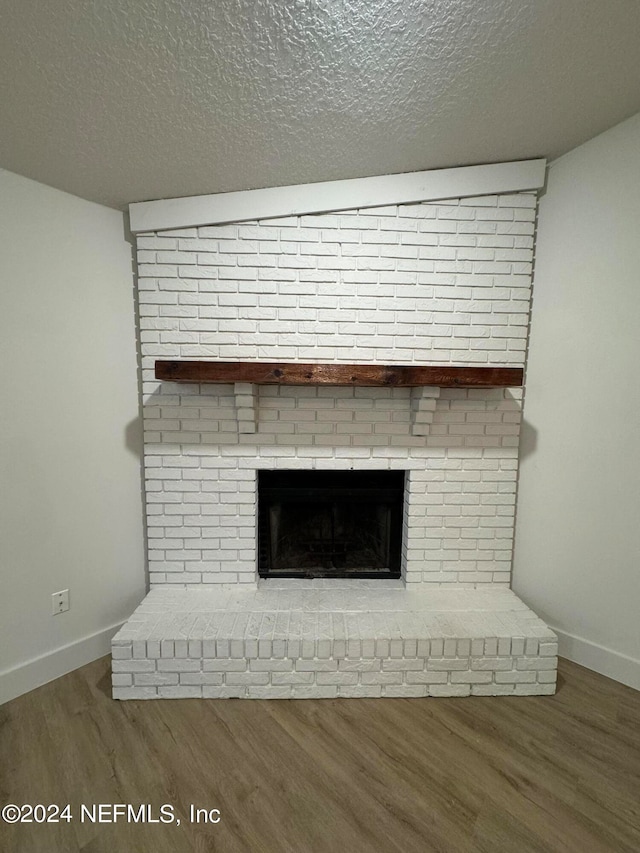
(330, 524)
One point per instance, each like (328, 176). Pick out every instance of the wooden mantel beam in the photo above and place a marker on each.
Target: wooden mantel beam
(295, 373)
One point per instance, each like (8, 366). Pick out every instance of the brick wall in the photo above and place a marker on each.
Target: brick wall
(422, 283)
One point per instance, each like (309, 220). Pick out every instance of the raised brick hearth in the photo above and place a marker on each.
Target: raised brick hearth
(332, 638)
(444, 283)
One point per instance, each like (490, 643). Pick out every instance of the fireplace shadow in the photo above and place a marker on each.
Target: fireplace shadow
(133, 440)
(528, 439)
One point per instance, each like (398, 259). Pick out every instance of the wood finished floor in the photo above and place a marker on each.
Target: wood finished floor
(558, 773)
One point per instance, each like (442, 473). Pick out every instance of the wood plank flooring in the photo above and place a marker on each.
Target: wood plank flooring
(497, 775)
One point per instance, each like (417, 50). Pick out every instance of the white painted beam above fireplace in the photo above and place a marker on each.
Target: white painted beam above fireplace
(328, 196)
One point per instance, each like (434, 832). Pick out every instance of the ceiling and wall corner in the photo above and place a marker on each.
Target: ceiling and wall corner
(133, 100)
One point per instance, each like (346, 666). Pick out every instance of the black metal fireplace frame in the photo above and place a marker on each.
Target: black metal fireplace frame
(374, 487)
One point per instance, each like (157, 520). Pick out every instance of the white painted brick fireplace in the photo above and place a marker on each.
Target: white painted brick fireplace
(444, 282)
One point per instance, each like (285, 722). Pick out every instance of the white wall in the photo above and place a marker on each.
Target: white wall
(577, 554)
(70, 502)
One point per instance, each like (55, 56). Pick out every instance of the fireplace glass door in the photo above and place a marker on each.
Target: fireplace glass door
(321, 524)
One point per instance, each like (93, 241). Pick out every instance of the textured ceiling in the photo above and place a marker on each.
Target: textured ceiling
(127, 100)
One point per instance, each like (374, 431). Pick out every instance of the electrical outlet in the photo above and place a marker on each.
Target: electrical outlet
(60, 602)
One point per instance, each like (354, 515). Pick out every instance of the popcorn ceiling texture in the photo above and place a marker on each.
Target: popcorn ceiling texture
(129, 100)
(425, 283)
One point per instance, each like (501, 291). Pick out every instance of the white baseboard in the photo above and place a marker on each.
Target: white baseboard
(38, 671)
(600, 659)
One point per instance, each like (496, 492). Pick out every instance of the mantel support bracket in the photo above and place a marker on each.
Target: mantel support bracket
(246, 398)
(423, 407)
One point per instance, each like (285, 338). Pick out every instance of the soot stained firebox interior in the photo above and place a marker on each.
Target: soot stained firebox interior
(323, 524)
